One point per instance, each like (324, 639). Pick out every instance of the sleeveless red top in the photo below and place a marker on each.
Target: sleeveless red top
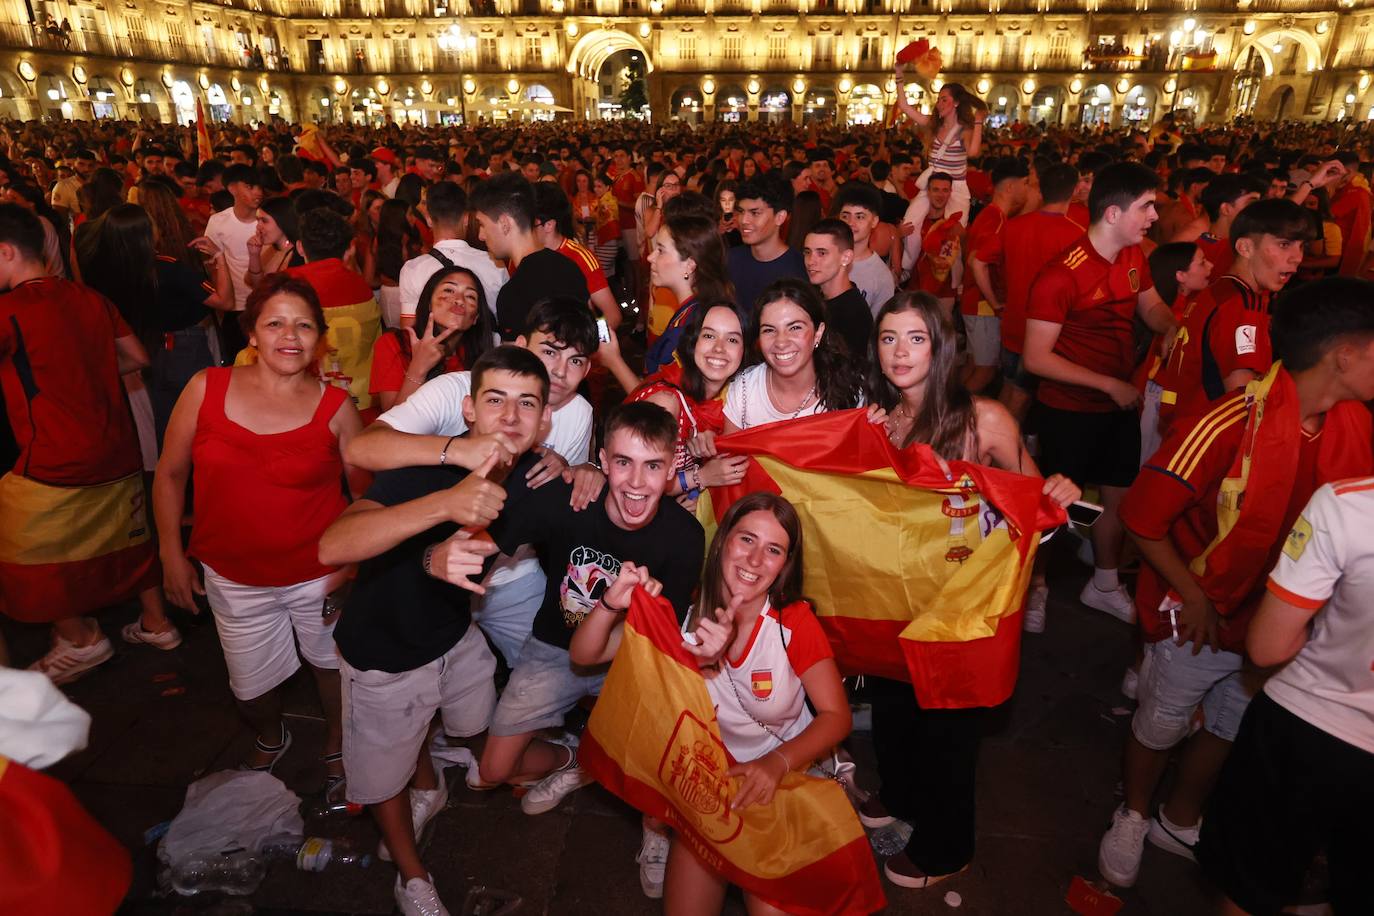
(262, 501)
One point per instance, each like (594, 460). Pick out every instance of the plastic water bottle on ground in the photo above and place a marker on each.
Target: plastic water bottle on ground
(318, 853)
(238, 872)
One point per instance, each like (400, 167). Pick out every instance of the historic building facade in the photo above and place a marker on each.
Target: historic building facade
(1057, 61)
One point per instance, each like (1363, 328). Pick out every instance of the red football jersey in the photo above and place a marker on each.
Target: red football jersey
(1029, 243)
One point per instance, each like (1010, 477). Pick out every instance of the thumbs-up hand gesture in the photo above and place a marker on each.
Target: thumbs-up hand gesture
(475, 501)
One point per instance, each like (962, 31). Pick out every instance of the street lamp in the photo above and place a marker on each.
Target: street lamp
(453, 40)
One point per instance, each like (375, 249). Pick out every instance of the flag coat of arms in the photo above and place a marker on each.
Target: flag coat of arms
(653, 741)
(914, 577)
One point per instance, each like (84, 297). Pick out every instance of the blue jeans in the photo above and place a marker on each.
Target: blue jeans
(506, 613)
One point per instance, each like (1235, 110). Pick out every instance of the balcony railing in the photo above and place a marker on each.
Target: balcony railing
(24, 35)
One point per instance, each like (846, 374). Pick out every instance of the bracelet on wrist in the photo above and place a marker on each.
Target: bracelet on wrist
(419, 381)
(612, 608)
(784, 759)
(443, 455)
(429, 555)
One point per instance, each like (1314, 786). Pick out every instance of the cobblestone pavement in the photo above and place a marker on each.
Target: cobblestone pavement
(1048, 780)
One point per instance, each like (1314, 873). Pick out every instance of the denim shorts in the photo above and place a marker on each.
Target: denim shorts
(542, 688)
(1175, 681)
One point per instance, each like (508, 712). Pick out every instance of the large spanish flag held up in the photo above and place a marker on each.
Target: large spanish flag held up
(653, 741)
(913, 577)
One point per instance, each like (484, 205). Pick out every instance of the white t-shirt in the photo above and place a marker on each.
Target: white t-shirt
(416, 272)
(765, 685)
(1328, 562)
(231, 235)
(874, 280)
(436, 409)
(747, 403)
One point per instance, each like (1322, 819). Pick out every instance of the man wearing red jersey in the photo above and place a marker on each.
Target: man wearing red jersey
(1223, 339)
(1080, 341)
(1209, 513)
(985, 289)
(1350, 208)
(1030, 243)
(1222, 201)
(627, 184)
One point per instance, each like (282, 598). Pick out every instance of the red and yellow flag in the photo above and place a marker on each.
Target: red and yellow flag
(54, 857)
(660, 750)
(205, 150)
(913, 577)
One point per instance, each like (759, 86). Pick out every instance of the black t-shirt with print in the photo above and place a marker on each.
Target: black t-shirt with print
(581, 552)
(397, 618)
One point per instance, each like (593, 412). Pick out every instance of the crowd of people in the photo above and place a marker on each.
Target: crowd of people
(328, 356)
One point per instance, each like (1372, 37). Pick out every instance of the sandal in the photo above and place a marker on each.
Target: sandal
(332, 782)
(277, 751)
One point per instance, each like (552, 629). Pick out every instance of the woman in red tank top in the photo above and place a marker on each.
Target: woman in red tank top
(266, 442)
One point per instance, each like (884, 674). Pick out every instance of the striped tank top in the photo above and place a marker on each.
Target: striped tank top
(947, 154)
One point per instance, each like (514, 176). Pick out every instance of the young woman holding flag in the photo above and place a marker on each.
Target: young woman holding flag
(914, 388)
(764, 657)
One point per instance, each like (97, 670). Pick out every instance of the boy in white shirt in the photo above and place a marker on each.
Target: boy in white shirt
(860, 206)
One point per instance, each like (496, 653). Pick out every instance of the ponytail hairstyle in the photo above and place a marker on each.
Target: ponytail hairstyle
(836, 383)
(948, 419)
(785, 589)
(697, 237)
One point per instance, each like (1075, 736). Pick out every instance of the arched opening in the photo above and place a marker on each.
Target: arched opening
(53, 97)
(621, 89)
(1192, 105)
(1245, 89)
(866, 105)
(732, 104)
(819, 107)
(685, 105)
(322, 105)
(1004, 104)
(1140, 106)
(1096, 106)
(148, 94)
(919, 98)
(365, 106)
(1047, 106)
(217, 103)
(10, 94)
(451, 103)
(183, 102)
(775, 106)
(540, 104)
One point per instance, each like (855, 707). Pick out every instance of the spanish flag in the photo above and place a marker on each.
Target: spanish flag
(54, 857)
(660, 750)
(913, 577)
(205, 150)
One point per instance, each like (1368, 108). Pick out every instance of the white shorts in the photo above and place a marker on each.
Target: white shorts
(386, 715)
(256, 625)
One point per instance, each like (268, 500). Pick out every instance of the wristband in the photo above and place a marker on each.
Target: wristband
(784, 758)
(682, 481)
(418, 381)
(443, 455)
(429, 555)
(612, 608)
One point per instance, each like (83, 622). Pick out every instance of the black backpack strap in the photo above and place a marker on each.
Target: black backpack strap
(442, 258)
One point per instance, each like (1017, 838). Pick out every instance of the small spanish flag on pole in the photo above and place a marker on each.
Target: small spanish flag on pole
(660, 750)
(205, 150)
(913, 576)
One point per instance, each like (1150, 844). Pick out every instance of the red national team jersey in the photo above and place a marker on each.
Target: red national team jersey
(1225, 328)
(1094, 302)
(1029, 243)
(59, 372)
(586, 262)
(985, 244)
(939, 251)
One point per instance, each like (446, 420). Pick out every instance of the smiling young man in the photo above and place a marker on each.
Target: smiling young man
(1080, 341)
(859, 206)
(405, 638)
(828, 251)
(1223, 342)
(581, 554)
(761, 207)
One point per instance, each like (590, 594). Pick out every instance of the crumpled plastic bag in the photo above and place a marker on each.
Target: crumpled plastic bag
(38, 724)
(230, 810)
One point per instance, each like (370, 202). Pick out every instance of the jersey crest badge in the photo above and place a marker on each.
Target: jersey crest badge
(761, 682)
(1133, 277)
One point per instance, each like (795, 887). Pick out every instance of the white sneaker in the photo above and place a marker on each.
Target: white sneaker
(552, 789)
(417, 897)
(1034, 619)
(65, 661)
(424, 804)
(1116, 602)
(1170, 837)
(1130, 683)
(653, 863)
(134, 633)
(1118, 856)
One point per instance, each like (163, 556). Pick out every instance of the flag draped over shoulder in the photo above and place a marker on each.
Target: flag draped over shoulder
(205, 150)
(913, 577)
(653, 741)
